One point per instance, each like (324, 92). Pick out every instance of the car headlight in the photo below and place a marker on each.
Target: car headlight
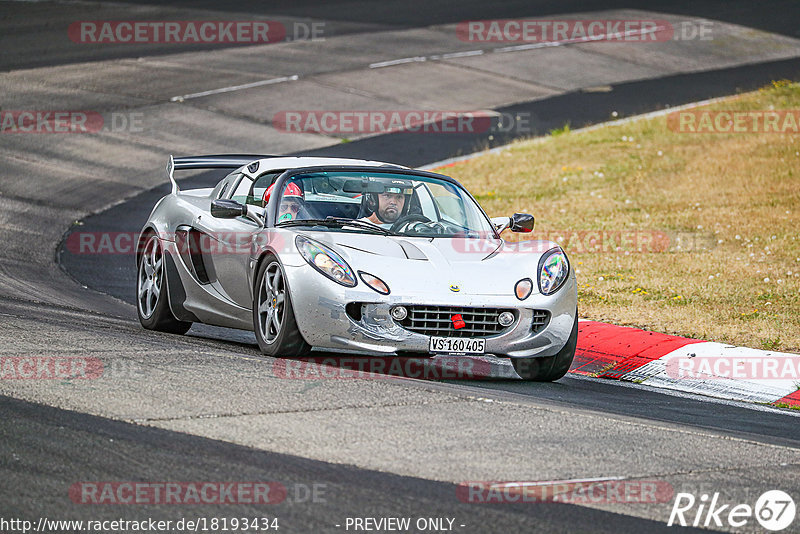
(553, 271)
(326, 261)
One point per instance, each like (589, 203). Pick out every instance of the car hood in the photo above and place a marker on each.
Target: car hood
(413, 265)
(440, 251)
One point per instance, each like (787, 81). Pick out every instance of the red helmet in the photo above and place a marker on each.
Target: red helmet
(290, 191)
(293, 190)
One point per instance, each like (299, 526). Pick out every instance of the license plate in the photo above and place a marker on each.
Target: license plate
(457, 345)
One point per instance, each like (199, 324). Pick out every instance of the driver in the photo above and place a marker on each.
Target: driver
(291, 201)
(389, 206)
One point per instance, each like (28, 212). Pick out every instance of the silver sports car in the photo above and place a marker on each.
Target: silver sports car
(354, 255)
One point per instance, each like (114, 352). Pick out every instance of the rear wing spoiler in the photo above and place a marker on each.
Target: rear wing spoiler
(220, 161)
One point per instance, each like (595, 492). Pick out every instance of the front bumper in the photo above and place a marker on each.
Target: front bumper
(319, 307)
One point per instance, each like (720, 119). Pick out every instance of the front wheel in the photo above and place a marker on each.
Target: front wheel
(151, 291)
(549, 368)
(273, 316)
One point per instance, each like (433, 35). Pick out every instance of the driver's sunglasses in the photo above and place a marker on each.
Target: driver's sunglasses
(287, 206)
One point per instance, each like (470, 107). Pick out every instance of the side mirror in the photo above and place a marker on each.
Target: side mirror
(522, 222)
(227, 209)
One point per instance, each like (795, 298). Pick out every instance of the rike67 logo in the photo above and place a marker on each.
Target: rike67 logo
(774, 510)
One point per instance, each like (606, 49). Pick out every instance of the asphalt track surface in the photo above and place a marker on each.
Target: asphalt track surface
(21, 48)
(576, 428)
(52, 435)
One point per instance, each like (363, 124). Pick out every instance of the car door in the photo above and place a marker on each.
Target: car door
(225, 245)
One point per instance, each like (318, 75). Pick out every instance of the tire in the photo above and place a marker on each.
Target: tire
(274, 322)
(549, 368)
(152, 304)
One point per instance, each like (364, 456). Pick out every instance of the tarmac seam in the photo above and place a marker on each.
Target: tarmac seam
(300, 411)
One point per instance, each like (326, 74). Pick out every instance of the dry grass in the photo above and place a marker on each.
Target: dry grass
(729, 203)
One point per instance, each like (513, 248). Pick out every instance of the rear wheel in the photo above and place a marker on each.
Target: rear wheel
(273, 316)
(549, 368)
(151, 291)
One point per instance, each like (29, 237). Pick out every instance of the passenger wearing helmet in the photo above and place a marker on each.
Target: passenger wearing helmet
(389, 206)
(291, 201)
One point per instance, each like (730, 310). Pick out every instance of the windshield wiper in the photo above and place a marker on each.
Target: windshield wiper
(336, 222)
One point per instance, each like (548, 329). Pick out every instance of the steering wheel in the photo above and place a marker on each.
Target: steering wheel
(414, 217)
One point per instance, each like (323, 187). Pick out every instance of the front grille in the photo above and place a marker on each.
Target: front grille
(437, 321)
(540, 320)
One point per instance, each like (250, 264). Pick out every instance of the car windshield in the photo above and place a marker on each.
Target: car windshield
(381, 202)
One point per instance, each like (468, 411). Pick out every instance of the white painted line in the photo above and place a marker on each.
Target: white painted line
(515, 48)
(529, 46)
(272, 81)
(417, 59)
(422, 59)
(462, 54)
